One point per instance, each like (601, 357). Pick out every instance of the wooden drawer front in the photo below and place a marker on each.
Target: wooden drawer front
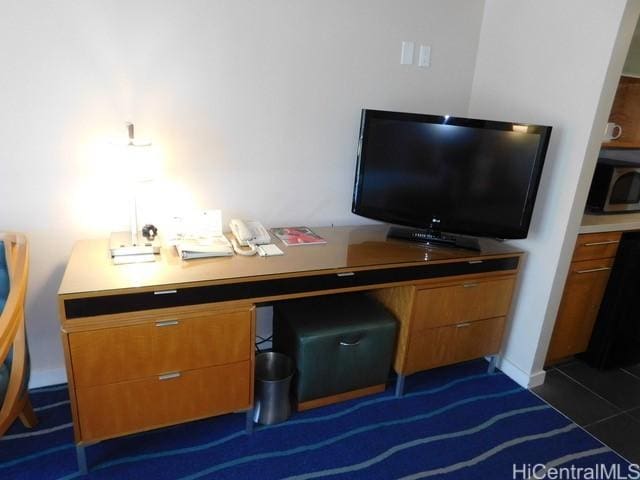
(121, 408)
(596, 245)
(467, 302)
(429, 348)
(477, 339)
(183, 342)
(201, 341)
(111, 355)
(454, 343)
(579, 307)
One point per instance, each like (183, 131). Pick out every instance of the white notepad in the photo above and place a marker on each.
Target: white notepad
(211, 247)
(269, 250)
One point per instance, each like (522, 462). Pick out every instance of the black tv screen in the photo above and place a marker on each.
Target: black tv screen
(450, 174)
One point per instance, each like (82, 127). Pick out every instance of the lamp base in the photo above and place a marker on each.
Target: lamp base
(120, 244)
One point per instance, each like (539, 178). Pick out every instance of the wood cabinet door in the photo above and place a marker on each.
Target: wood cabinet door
(466, 302)
(579, 307)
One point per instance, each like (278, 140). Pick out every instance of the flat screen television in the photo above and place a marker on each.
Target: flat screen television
(448, 174)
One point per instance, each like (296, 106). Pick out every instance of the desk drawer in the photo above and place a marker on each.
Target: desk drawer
(202, 341)
(466, 302)
(596, 245)
(118, 409)
(454, 343)
(166, 344)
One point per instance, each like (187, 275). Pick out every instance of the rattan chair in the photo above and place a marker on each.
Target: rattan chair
(14, 355)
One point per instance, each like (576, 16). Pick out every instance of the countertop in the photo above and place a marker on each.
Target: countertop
(610, 222)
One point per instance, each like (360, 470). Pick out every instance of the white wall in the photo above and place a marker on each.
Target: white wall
(253, 107)
(548, 62)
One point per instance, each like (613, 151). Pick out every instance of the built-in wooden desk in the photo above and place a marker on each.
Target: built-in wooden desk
(154, 344)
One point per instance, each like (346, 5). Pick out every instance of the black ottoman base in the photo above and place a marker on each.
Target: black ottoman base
(343, 346)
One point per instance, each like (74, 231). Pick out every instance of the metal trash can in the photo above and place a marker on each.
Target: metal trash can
(273, 375)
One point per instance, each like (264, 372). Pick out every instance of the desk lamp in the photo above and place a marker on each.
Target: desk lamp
(134, 246)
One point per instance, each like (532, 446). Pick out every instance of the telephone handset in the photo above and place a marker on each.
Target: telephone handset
(248, 234)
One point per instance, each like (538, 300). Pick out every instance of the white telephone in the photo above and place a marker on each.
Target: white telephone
(248, 234)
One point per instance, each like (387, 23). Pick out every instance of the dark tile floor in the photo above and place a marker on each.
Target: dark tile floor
(606, 403)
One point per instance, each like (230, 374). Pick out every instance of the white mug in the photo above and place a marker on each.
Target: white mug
(612, 132)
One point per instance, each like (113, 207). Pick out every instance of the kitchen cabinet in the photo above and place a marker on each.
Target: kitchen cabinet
(584, 289)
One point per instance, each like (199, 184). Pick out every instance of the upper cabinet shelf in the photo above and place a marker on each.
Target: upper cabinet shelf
(626, 106)
(619, 144)
(626, 113)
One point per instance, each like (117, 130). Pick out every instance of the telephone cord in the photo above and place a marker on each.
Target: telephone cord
(247, 253)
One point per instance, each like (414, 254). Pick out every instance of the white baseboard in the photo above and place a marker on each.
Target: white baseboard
(45, 378)
(523, 379)
(537, 379)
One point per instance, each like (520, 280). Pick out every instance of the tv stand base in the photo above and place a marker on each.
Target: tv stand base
(433, 237)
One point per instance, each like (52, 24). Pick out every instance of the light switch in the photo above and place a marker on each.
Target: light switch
(424, 56)
(406, 57)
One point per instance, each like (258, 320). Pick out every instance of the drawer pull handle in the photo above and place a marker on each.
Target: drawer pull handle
(346, 274)
(463, 325)
(349, 344)
(169, 376)
(589, 270)
(165, 292)
(167, 323)
(607, 242)
(469, 285)
(473, 262)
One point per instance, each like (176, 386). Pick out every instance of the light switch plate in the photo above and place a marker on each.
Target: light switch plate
(424, 56)
(406, 56)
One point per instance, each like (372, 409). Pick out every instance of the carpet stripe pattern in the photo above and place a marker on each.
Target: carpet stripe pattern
(454, 423)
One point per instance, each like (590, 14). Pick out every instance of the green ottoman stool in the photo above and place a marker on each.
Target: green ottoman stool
(343, 346)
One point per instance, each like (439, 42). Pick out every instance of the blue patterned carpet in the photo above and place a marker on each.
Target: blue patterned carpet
(454, 423)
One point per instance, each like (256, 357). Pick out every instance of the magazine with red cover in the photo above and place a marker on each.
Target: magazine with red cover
(292, 236)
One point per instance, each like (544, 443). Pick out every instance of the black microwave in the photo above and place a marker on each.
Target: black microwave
(615, 187)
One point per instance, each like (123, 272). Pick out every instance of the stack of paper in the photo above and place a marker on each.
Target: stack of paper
(217, 246)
